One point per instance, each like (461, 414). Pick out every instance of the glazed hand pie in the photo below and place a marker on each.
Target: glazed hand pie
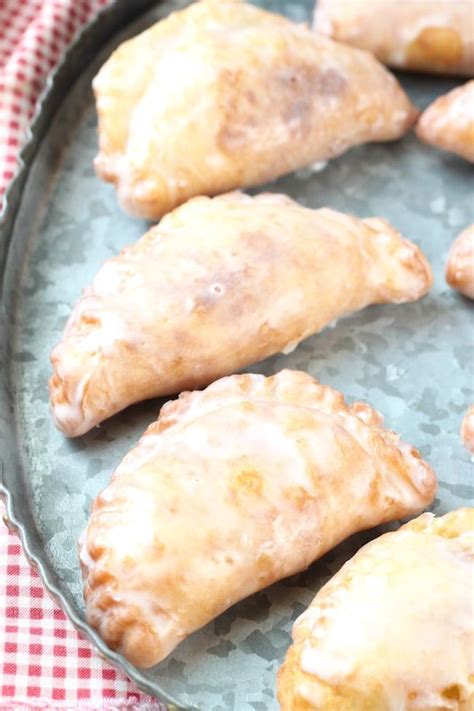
(467, 429)
(225, 95)
(460, 264)
(230, 490)
(448, 123)
(393, 629)
(219, 284)
(433, 36)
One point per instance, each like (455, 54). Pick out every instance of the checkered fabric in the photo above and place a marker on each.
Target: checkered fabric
(44, 664)
(33, 37)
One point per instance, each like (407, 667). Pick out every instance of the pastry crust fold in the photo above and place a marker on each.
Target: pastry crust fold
(394, 628)
(219, 284)
(225, 95)
(448, 123)
(434, 36)
(230, 490)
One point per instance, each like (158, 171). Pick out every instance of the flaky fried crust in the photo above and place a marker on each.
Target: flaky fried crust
(225, 95)
(448, 123)
(394, 628)
(433, 36)
(219, 284)
(232, 489)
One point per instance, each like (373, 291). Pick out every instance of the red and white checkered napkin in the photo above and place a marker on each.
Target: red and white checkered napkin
(44, 664)
(33, 37)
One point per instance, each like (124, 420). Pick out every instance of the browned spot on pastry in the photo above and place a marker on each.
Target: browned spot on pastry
(95, 546)
(452, 692)
(55, 380)
(58, 390)
(291, 92)
(310, 80)
(90, 320)
(251, 97)
(390, 503)
(127, 345)
(265, 333)
(247, 406)
(330, 83)
(265, 567)
(374, 489)
(435, 48)
(366, 413)
(102, 502)
(105, 599)
(298, 495)
(245, 384)
(303, 86)
(99, 575)
(177, 365)
(117, 622)
(248, 481)
(237, 106)
(105, 169)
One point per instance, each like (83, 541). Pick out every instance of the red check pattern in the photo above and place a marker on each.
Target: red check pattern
(33, 36)
(44, 663)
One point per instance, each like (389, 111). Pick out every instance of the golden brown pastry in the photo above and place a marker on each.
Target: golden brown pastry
(220, 283)
(460, 264)
(448, 123)
(467, 429)
(393, 629)
(230, 490)
(223, 95)
(433, 36)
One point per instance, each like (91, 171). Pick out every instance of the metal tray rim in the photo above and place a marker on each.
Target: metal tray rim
(93, 35)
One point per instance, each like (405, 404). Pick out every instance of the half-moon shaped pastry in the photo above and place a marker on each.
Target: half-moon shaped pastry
(467, 429)
(230, 490)
(224, 95)
(393, 629)
(434, 36)
(448, 123)
(460, 264)
(220, 283)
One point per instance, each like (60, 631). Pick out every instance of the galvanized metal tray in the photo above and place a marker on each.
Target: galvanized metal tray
(412, 362)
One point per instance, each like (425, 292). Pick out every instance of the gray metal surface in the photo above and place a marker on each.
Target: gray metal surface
(412, 362)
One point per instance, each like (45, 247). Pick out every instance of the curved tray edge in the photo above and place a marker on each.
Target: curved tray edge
(116, 660)
(82, 50)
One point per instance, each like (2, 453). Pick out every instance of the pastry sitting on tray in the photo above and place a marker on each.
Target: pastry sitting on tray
(230, 490)
(224, 95)
(434, 36)
(393, 629)
(448, 123)
(460, 264)
(219, 284)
